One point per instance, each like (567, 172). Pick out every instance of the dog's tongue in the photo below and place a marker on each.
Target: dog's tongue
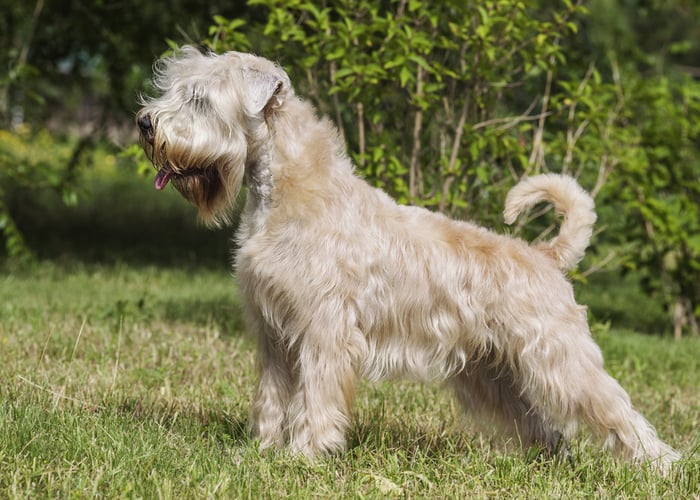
(162, 178)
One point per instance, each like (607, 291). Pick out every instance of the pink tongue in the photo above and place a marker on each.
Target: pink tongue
(162, 178)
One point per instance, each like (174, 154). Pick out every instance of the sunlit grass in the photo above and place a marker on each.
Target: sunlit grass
(124, 381)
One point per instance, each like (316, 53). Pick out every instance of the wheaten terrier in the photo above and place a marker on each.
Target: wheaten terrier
(340, 282)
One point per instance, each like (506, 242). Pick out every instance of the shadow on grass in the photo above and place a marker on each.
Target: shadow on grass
(229, 428)
(409, 439)
(223, 313)
(219, 425)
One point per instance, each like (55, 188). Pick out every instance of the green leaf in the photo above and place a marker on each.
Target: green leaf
(405, 76)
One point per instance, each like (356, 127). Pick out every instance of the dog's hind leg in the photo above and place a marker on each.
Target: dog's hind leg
(564, 378)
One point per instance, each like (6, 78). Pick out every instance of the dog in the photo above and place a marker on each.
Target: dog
(340, 282)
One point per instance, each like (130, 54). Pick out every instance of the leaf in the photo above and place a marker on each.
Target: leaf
(338, 53)
(482, 31)
(393, 63)
(420, 61)
(405, 76)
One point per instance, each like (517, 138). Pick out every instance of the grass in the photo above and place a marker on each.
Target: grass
(135, 381)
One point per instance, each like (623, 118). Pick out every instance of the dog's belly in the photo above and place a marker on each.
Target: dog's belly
(420, 339)
(407, 358)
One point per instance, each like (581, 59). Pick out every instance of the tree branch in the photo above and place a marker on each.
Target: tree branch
(21, 59)
(537, 156)
(453, 154)
(361, 132)
(417, 126)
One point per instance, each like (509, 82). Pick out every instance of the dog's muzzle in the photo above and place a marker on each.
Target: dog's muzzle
(189, 181)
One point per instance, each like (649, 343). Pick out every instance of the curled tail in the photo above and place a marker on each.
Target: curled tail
(570, 201)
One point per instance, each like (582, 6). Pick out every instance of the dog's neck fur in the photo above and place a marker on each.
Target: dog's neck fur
(285, 138)
(259, 182)
(258, 179)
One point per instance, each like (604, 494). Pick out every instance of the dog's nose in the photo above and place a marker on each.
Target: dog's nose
(145, 126)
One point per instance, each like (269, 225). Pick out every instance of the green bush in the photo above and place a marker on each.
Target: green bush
(658, 191)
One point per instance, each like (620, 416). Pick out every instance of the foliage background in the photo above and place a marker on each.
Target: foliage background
(442, 104)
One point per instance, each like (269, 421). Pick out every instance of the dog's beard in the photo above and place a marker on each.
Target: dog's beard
(201, 186)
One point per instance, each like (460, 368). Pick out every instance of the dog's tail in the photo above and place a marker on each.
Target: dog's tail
(570, 201)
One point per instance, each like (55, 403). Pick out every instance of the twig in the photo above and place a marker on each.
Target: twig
(607, 167)
(361, 132)
(401, 8)
(529, 217)
(537, 156)
(510, 121)
(59, 395)
(46, 344)
(573, 137)
(600, 264)
(116, 361)
(453, 154)
(70, 361)
(22, 58)
(77, 341)
(336, 101)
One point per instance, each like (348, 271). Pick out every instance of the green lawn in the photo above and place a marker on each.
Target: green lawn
(135, 380)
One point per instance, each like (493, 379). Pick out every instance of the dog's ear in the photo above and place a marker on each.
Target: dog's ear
(263, 91)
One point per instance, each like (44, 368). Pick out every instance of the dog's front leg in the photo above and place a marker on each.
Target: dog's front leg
(268, 413)
(320, 409)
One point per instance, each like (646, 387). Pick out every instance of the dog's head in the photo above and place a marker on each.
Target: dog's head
(207, 123)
